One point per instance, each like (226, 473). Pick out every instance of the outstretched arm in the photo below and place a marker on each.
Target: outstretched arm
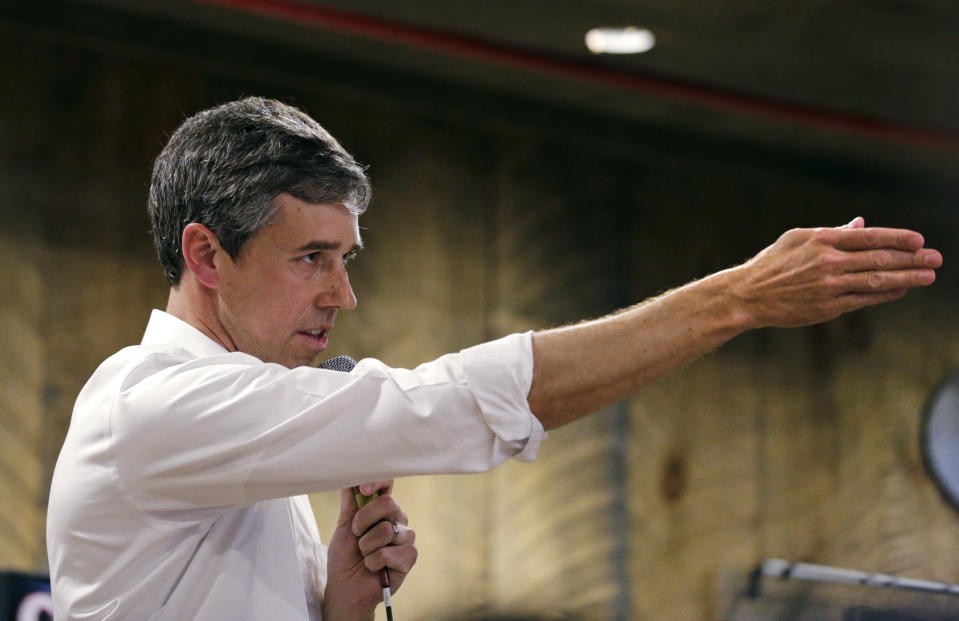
(807, 276)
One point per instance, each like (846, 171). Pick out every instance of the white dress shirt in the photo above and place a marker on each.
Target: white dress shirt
(179, 491)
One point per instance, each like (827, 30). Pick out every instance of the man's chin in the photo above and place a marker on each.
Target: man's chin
(295, 364)
(310, 361)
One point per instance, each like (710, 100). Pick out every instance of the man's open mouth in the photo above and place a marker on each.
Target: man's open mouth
(316, 335)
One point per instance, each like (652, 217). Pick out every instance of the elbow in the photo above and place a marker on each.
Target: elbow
(553, 413)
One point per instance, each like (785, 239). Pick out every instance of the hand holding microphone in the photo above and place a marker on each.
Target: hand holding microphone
(368, 541)
(371, 537)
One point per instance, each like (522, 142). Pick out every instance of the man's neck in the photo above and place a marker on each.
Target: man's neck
(193, 303)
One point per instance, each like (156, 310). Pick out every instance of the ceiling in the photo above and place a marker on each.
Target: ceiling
(869, 81)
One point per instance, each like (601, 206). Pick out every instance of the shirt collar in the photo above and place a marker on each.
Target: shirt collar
(165, 329)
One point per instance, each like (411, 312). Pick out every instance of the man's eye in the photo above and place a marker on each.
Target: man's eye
(311, 258)
(348, 257)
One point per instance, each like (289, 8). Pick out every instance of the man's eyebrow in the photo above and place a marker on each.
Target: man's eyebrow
(318, 244)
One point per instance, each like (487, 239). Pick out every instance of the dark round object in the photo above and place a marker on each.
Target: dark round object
(939, 437)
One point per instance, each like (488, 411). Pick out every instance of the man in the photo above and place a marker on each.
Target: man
(179, 490)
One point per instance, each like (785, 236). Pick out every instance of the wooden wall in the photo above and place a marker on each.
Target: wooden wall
(798, 444)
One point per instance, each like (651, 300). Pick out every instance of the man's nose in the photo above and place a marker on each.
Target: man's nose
(340, 293)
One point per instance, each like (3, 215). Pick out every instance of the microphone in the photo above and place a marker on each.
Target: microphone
(346, 364)
(340, 363)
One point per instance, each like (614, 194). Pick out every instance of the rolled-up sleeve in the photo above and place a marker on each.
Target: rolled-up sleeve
(229, 429)
(501, 373)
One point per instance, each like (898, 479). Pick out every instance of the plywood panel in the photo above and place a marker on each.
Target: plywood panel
(22, 296)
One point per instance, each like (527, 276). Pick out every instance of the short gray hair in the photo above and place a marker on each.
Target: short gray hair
(224, 166)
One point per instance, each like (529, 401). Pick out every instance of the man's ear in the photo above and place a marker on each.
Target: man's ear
(200, 246)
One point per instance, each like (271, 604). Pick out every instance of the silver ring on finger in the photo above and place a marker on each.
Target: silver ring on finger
(396, 532)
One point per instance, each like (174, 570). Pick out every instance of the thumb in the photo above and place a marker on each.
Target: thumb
(857, 223)
(348, 507)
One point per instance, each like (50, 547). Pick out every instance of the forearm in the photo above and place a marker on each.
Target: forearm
(806, 276)
(581, 368)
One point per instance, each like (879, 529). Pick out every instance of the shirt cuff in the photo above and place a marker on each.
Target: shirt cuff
(500, 374)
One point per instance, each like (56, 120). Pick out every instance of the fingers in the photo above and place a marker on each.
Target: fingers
(379, 509)
(383, 487)
(395, 558)
(380, 542)
(876, 259)
(874, 237)
(888, 259)
(855, 301)
(348, 504)
(381, 535)
(374, 525)
(875, 281)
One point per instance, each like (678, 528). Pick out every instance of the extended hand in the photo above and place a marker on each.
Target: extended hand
(363, 544)
(811, 275)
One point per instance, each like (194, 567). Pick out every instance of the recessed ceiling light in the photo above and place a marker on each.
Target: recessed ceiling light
(628, 40)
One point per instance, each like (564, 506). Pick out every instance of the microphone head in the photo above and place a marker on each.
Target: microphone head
(339, 363)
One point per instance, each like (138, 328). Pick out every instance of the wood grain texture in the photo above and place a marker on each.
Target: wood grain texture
(22, 297)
